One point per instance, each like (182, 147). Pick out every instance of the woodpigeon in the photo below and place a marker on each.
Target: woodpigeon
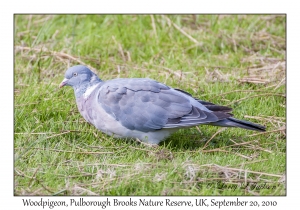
(143, 108)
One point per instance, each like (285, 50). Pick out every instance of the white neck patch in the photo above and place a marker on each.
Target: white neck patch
(89, 90)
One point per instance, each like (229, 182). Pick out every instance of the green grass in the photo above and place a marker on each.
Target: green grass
(236, 60)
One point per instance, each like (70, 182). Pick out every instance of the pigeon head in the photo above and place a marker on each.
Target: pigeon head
(79, 76)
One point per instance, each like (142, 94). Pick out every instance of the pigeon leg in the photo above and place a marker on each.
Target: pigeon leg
(147, 144)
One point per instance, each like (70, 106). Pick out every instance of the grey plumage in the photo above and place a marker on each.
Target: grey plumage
(143, 108)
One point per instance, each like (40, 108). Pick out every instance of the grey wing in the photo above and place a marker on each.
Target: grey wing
(147, 105)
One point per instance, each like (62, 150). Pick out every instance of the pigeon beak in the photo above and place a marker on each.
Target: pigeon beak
(63, 83)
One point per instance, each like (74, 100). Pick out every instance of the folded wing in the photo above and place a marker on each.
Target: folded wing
(147, 105)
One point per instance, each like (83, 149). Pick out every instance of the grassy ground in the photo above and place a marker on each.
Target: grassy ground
(235, 60)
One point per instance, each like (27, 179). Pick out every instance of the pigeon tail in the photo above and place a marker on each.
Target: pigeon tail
(233, 122)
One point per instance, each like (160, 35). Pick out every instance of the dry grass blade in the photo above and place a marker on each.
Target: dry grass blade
(141, 149)
(237, 91)
(67, 151)
(255, 172)
(26, 104)
(58, 54)
(20, 173)
(216, 76)
(254, 161)
(264, 117)
(221, 150)
(223, 168)
(34, 133)
(275, 121)
(62, 133)
(213, 136)
(246, 144)
(254, 80)
(282, 82)
(44, 19)
(182, 31)
(76, 190)
(283, 128)
(33, 176)
(269, 70)
(258, 95)
(107, 164)
(120, 48)
(179, 73)
(153, 26)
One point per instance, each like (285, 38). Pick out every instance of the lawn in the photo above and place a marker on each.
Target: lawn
(232, 60)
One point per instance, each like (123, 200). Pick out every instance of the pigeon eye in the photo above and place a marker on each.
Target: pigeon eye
(75, 74)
